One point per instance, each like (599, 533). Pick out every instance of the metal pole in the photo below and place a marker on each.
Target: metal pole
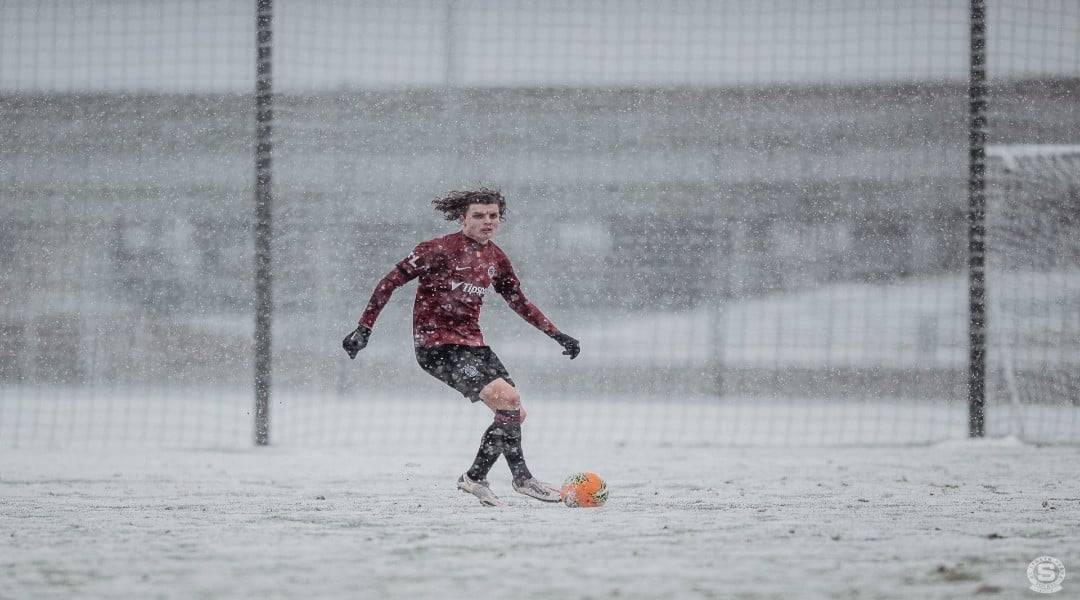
(264, 116)
(450, 77)
(977, 94)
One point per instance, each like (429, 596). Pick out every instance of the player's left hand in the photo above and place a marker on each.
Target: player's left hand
(571, 347)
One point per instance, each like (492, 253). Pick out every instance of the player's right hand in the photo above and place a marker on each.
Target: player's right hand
(356, 341)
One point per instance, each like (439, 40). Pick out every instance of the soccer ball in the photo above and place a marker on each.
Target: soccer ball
(584, 490)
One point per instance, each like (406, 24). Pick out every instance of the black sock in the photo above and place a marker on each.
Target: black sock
(515, 458)
(491, 446)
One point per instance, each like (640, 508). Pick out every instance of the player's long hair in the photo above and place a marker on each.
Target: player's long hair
(454, 204)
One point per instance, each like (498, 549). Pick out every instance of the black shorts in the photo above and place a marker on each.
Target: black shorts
(467, 369)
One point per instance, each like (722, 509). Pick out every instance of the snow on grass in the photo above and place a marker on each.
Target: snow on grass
(957, 519)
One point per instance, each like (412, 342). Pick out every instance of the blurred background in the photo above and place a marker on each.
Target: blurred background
(752, 207)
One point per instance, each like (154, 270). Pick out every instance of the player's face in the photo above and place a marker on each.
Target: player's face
(480, 221)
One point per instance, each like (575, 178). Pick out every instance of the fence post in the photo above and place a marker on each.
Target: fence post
(977, 223)
(264, 117)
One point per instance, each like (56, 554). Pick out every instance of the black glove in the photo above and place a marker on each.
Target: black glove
(571, 347)
(355, 341)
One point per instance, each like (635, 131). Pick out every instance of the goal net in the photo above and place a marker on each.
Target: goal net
(1033, 286)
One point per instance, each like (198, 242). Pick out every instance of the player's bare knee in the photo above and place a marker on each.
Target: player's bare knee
(500, 395)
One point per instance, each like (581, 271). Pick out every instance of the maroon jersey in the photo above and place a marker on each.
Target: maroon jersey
(455, 273)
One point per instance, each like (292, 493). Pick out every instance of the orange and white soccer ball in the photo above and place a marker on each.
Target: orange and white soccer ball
(584, 490)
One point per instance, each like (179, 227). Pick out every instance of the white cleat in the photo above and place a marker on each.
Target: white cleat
(479, 489)
(535, 488)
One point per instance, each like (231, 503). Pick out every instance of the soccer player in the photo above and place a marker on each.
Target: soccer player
(455, 272)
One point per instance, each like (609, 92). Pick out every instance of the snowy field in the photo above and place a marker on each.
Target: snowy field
(957, 519)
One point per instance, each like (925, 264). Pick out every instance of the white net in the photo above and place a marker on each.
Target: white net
(1033, 285)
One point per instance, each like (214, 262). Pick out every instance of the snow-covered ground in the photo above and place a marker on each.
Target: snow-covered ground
(956, 519)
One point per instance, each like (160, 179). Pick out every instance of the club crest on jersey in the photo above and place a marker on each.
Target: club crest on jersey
(468, 288)
(491, 271)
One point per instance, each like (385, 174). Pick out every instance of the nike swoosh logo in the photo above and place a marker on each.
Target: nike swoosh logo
(461, 268)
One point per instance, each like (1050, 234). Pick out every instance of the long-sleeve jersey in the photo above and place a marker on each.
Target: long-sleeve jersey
(454, 274)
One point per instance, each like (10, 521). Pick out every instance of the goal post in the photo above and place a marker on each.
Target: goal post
(1033, 284)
